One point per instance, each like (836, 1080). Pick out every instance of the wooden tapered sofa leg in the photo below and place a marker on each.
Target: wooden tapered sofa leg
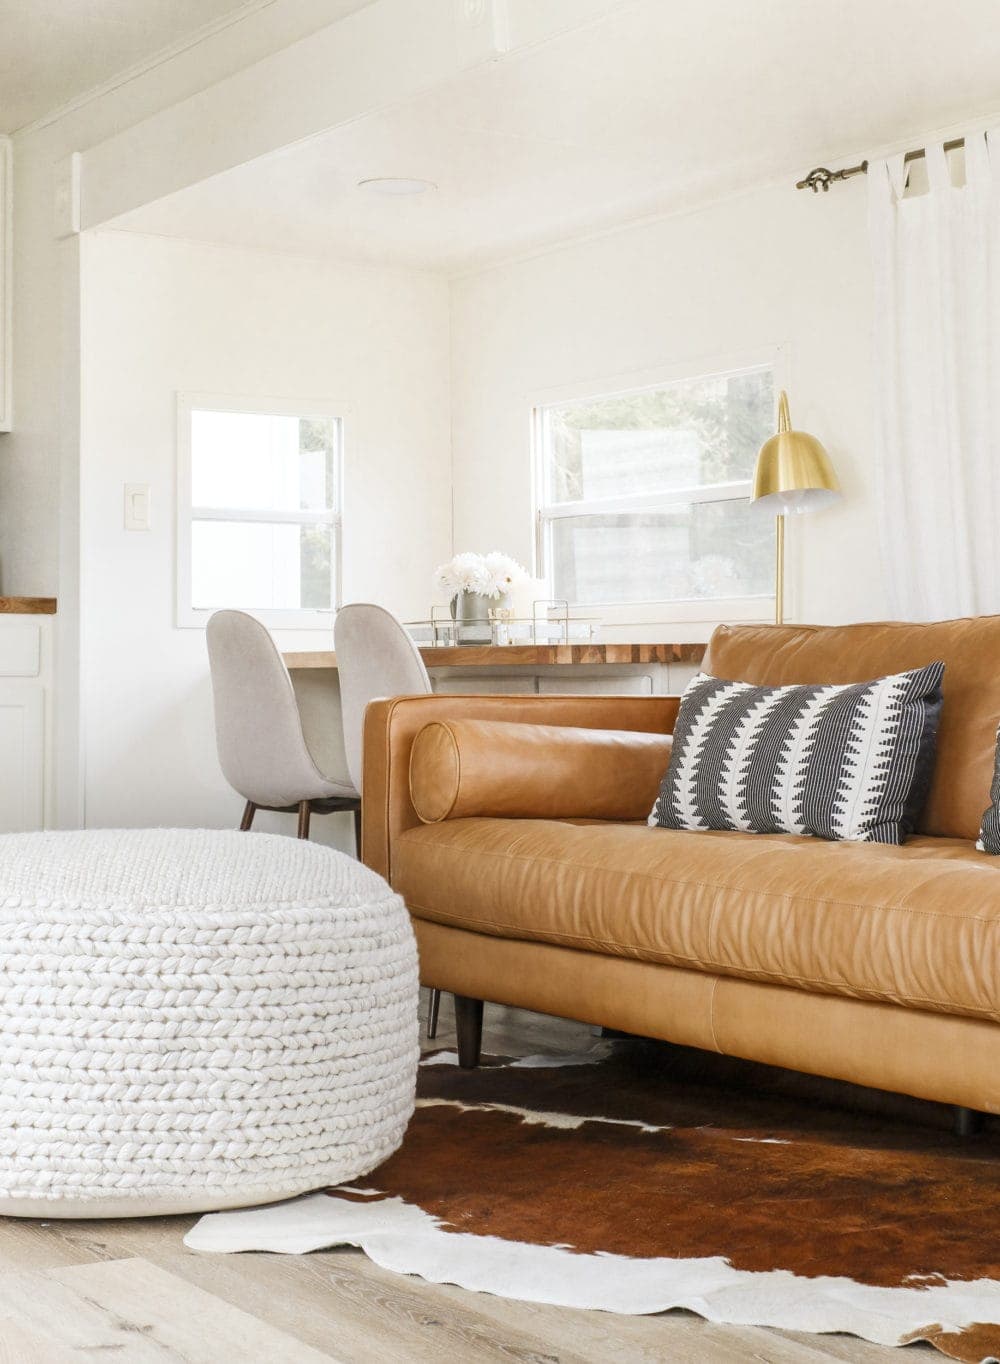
(249, 810)
(469, 1026)
(433, 1008)
(968, 1122)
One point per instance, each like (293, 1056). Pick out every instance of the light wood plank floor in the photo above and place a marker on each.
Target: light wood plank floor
(131, 1291)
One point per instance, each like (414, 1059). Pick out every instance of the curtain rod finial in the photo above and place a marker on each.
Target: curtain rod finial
(822, 179)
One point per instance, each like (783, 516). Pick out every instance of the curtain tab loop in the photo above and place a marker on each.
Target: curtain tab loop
(938, 170)
(982, 156)
(896, 171)
(977, 160)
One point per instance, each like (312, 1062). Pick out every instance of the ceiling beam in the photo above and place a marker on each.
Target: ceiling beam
(373, 59)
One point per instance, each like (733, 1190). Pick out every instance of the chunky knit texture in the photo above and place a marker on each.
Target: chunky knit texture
(195, 1016)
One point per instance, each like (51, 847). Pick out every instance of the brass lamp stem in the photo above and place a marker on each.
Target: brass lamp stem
(779, 565)
(792, 472)
(784, 424)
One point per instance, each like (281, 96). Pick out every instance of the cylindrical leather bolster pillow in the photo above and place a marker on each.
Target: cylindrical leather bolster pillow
(463, 768)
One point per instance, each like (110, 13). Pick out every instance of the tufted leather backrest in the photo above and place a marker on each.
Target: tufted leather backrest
(780, 655)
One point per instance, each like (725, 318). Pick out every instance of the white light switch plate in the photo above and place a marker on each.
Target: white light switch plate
(137, 506)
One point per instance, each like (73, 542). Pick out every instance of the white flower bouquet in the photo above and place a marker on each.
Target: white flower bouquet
(488, 575)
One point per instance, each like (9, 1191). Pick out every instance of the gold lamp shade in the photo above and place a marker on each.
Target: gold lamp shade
(793, 473)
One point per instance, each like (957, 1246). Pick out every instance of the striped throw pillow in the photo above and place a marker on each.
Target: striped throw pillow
(989, 831)
(848, 762)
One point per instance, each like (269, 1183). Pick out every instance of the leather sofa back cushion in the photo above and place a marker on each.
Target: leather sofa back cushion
(779, 655)
(460, 769)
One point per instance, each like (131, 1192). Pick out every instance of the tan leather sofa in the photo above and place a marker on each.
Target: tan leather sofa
(532, 883)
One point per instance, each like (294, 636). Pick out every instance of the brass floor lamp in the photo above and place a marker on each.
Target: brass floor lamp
(793, 473)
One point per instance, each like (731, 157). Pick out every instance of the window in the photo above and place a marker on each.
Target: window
(643, 496)
(258, 510)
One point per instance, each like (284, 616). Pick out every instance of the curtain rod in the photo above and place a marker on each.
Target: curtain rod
(822, 179)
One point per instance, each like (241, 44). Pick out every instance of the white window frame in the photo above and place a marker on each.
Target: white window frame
(304, 618)
(683, 610)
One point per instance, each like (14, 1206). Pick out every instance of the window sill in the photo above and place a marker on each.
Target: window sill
(192, 618)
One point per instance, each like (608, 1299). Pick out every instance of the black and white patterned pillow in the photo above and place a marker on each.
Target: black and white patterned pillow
(989, 830)
(847, 762)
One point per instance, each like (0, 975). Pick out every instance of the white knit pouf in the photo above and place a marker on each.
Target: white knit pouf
(193, 1019)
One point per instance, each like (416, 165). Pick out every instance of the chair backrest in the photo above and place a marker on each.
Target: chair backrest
(375, 657)
(258, 731)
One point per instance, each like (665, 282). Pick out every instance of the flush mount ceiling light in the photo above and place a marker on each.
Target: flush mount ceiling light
(396, 186)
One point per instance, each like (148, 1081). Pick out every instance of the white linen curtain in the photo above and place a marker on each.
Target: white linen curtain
(937, 374)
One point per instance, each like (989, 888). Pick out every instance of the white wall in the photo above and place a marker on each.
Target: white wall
(163, 315)
(188, 113)
(39, 459)
(767, 270)
(775, 268)
(46, 362)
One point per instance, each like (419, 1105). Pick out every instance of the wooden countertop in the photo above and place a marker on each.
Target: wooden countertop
(27, 606)
(529, 655)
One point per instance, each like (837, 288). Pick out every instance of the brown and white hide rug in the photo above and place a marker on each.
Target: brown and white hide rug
(614, 1180)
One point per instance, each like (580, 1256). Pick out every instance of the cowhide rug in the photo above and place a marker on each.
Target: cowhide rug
(616, 1181)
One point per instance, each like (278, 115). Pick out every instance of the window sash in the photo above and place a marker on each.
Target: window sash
(548, 510)
(262, 516)
(544, 553)
(650, 502)
(187, 615)
(637, 504)
(274, 614)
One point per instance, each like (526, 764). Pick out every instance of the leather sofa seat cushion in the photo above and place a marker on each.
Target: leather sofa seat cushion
(785, 655)
(917, 925)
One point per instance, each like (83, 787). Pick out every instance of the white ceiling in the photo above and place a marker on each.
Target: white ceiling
(663, 103)
(53, 51)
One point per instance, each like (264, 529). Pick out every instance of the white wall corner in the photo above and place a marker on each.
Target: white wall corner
(66, 196)
(6, 280)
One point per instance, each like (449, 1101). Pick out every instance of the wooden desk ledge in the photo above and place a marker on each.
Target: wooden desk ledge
(528, 655)
(27, 606)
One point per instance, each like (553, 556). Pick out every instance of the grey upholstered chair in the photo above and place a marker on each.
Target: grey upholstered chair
(375, 657)
(265, 754)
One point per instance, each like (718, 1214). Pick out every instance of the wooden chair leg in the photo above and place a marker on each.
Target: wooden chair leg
(304, 819)
(469, 1026)
(249, 810)
(357, 833)
(433, 1008)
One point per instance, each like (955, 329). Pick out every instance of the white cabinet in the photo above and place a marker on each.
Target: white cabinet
(612, 679)
(25, 720)
(482, 682)
(629, 684)
(6, 304)
(22, 756)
